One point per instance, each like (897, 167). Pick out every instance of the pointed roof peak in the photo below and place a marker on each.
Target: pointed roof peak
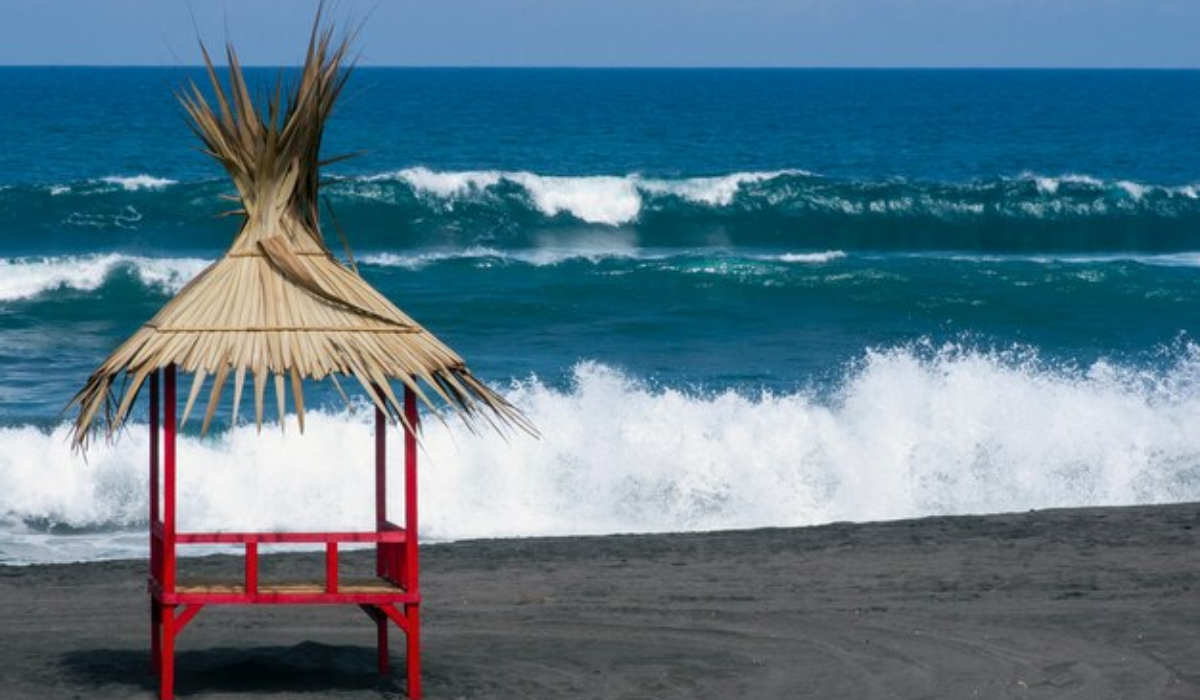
(272, 153)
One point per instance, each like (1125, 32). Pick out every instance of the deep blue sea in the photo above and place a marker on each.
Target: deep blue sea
(727, 298)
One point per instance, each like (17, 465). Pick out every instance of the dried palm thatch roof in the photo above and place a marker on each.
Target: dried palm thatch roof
(278, 306)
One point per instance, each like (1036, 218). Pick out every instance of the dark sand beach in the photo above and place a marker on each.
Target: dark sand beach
(1096, 604)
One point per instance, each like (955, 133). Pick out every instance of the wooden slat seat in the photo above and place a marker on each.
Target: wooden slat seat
(368, 590)
(350, 585)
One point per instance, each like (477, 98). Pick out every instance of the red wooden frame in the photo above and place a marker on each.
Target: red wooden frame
(393, 597)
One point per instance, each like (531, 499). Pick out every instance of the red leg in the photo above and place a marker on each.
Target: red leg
(413, 653)
(166, 687)
(381, 627)
(155, 637)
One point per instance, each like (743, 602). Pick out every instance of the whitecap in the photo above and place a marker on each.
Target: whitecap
(712, 191)
(138, 182)
(446, 184)
(597, 199)
(23, 278)
(812, 258)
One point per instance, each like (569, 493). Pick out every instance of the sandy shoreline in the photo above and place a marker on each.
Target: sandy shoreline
(1098, 603)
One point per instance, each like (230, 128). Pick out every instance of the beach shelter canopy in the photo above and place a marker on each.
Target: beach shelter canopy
(278, 307)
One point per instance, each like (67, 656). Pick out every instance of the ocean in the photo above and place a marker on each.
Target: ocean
(726, 298)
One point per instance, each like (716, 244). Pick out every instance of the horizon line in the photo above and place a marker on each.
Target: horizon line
(465, 66)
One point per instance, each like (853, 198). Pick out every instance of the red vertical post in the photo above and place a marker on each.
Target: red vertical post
(331, 567)
(155, 552)
(413, 660)
(381, 638)
(410, 488)
(168, 577)
(381, 567)
(166, 688)
(155, 637)
(412, 611)
(155, 497)
(251, 568)
(166, 681)
(153, 453)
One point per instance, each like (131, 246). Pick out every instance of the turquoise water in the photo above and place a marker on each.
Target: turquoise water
(977, 289)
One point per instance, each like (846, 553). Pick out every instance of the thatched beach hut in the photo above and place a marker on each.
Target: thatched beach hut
(279, 309)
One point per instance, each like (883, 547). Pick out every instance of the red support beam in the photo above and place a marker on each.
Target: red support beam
(394, 535)
(154, 410)
(189, 613)
(410, 489)
(381, 644)
(412, 611)
(155, 636)
(331, 567)
(155, 494)
(155, 550)
(166, 659)
(396, 616)
(168, 577)
(251, 568)
(269, 595)
(381, 568)
(381, 636)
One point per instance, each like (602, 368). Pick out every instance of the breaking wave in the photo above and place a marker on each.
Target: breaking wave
(46, 277)
(789, 209)
(138, 182)
(596, 199)
(24, 278)
(619, 200)
(909, 431)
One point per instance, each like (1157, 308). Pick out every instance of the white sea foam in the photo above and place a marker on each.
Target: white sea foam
(812, 258)
(595, 248)
(22, 278)
(1184, 259)
(610, 200)
(420, 259)
(911, 432)
(1051, 185)
(551, 250)
(1135, 190)
(446, 184)
(596, 200)
(1191, 259)
(713, 191)
(138, 182)
(618, 200)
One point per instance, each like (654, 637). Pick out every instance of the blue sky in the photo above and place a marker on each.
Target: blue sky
(852, 33)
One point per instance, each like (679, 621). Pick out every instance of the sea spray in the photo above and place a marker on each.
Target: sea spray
(909, 431)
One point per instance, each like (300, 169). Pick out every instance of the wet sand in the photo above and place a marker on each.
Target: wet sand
(1093, 604)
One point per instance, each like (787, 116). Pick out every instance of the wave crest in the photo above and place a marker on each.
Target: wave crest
(621, 199)
(785, 209)
(611, 200)
(911, 431)
(138, 182)
(24, 278)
